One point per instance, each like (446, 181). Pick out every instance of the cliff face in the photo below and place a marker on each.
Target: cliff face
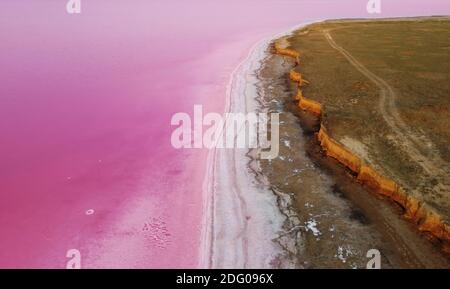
(337, 151)
(415, 210)
(304, 103)
(287, 52)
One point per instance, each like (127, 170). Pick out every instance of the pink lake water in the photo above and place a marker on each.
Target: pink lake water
(85, 105)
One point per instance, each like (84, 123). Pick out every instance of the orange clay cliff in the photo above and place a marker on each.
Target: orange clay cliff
(415, 210)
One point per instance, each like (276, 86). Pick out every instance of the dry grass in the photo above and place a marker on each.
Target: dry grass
(412, 57)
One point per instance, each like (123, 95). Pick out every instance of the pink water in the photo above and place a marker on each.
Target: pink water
(85, 106)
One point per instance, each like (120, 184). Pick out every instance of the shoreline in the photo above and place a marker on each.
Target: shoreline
(255, 221)
(280, 205)
(283, 245)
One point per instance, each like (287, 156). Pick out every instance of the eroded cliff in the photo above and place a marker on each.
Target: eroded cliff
(415, 209)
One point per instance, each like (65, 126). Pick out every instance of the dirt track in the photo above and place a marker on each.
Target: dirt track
(409, 142)
(346, 217)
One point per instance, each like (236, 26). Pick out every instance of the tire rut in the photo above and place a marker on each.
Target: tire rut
(410, 143)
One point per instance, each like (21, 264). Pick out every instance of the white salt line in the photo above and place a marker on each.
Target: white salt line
(240, 219)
